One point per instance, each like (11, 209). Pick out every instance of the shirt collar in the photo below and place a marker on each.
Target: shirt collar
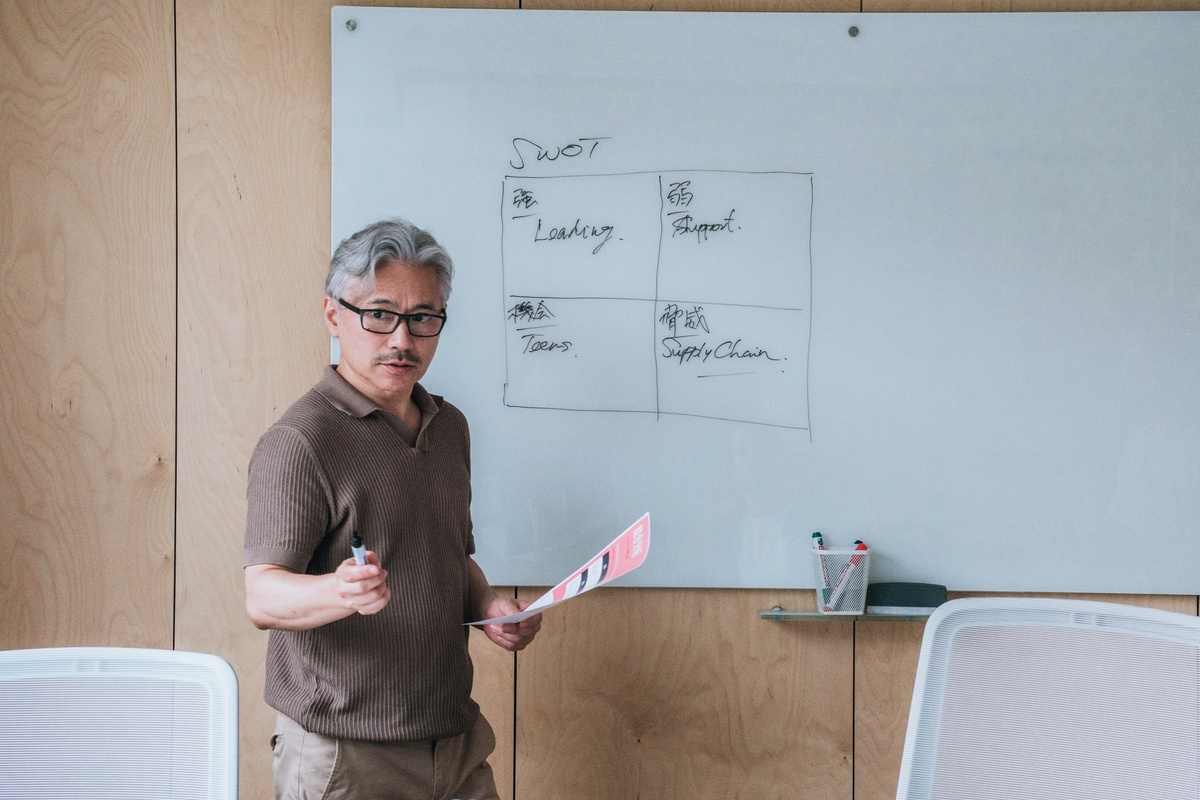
(344, 397)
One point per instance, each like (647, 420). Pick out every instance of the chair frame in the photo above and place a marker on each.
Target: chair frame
(948, 620)
(212, 674)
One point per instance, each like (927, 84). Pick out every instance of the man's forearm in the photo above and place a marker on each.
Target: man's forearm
(480, 591)
(277, 598)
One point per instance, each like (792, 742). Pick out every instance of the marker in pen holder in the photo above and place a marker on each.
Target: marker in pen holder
(842, 576)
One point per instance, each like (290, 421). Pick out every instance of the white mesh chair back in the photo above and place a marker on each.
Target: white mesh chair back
(1021, 698)
(101, 722)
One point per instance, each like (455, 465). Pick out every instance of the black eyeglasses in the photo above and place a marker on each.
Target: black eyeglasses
(376, 320)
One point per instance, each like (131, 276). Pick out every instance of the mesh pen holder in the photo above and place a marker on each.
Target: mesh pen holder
(841, 577)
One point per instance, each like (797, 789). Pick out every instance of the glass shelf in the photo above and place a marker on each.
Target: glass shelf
(782, 615)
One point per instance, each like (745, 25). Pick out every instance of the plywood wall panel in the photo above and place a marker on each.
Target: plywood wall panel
(87, 283)
(885, 665)
(254, 176)
(675, 693)
(254, 244)
(495, 683)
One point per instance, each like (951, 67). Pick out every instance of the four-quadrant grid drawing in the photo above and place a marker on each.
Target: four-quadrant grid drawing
(674, 292)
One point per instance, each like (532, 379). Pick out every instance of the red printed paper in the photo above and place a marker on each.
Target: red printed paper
(624, 554)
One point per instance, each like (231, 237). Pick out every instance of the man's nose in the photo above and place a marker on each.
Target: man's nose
(400, 339)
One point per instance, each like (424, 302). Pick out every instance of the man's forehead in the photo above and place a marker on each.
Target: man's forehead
(368, 291)
(376, 298)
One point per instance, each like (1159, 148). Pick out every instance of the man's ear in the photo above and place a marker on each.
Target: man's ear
(331, 315)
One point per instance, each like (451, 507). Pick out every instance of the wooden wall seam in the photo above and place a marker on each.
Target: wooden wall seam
(175, 509)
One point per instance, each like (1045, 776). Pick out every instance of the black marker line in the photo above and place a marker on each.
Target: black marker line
(503, 281)
(812, 199)
(659, 172)
(662, 206)
(662, 300)
(657, 413)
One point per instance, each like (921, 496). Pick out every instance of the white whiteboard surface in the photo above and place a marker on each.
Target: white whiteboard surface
(957, 256)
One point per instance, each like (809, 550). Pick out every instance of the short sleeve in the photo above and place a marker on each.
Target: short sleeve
(287, 501)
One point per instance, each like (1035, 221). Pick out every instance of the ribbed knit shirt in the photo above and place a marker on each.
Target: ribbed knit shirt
(336, 463)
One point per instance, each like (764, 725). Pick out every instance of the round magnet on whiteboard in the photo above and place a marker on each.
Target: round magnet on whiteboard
(351, 24)
(854, 30)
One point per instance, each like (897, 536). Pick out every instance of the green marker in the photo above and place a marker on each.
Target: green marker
(819, 544)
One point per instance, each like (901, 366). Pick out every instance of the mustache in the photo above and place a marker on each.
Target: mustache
(398, 357)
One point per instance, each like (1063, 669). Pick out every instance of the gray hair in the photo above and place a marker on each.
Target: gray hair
(378, 244)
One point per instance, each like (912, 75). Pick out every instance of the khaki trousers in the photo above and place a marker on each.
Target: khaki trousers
(309, 766)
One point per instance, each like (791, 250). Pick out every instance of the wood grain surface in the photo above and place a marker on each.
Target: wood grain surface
(674, 693)
(254, 246)
(254, 200)
(87, 281)
(627, 692)
(495, 679)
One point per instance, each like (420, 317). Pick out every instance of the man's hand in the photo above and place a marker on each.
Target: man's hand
(363, 587)
(512, 636)
(279, 598)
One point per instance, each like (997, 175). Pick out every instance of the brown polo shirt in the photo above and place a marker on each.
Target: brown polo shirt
(336, 463)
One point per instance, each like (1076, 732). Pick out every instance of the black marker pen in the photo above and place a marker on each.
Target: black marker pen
(356, 546)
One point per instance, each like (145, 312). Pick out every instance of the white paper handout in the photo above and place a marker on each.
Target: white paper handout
(625, 554)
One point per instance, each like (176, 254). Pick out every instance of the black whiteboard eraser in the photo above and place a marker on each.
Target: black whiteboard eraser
(904, 598)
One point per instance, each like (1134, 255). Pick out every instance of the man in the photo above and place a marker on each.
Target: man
(367, 664)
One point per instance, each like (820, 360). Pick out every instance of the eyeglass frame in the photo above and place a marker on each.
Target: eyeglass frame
(405, 318)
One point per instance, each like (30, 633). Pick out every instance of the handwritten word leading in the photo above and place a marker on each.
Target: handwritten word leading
(580, 230)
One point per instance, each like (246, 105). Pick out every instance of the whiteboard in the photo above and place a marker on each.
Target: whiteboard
(927, 281)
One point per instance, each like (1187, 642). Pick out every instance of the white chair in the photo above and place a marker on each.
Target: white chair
(110, 722)
(1021, 699)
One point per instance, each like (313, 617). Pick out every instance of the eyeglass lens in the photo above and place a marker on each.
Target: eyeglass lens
(387, 321)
